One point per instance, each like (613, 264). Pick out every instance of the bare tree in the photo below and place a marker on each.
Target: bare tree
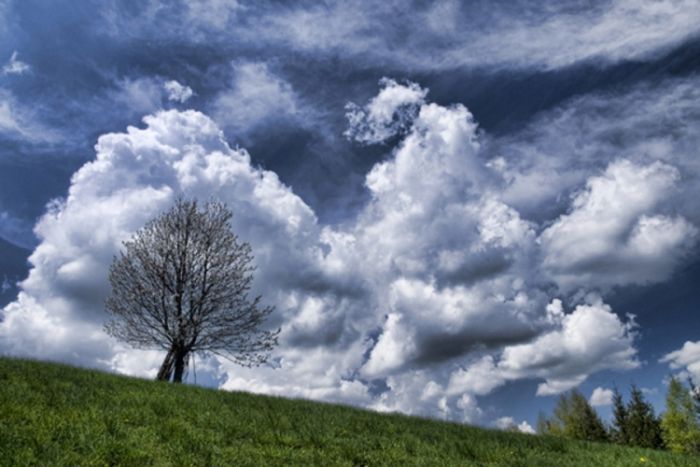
(181, 284)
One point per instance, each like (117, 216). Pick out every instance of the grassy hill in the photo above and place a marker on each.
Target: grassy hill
(58, 415)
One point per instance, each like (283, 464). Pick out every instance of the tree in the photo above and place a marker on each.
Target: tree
(643, 428)
(619, 428)
(680, 427)
(543, 424)
(181, 284)
(575, 418)
(586, 422)
(695, 393)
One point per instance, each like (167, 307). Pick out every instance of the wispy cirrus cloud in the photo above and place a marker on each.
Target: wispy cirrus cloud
(255, 96)
(15, 66)
(502, 34)
(19, 121)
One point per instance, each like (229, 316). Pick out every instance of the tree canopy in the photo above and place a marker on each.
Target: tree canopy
(574, 418)
(680, 426)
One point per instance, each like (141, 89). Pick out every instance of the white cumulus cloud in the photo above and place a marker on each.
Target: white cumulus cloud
(591, 338)
(508, 423)
(134, 177)
(389, 113)
(601, 397)
(687, 358)
(438, 292)
(177, 92)
(614, 233)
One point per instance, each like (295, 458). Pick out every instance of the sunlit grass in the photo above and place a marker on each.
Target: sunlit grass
(58, 415)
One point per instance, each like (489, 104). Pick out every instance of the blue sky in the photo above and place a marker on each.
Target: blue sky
(459, 210)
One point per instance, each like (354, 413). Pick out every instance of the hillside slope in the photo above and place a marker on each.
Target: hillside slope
(58, 415)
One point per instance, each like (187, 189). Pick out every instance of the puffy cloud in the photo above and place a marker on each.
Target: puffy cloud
(389, 113)
(589, 339)
(686, 358)
(14, 66)
(469, 408)
(550, 160)
(471, 281)
(319, 372)
(134, 177)
(393, 348)
(479, 378)
(601, 397)
(525, 427)
(508, 423)
(438, 292)
(177, 92)
(448, 251)
(416, 392)
(614, 234)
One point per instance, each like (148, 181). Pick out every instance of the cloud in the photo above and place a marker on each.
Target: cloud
(436, 36)
(5, 284)
(525, 427)
(601, 397)
(19, 122)
(550, 160)
(614, 233)
(439, 291)
(447, 34)
(417, 392)
(633, 153)
(8, 118)
(589, 339)
(139, 96)
(256, 96)
(508, 423)
(390, 113)
(604, 32)
(687, 358)
(215, 14)
(14, 66)
(177, 92)
(15, 230)
(134, 177)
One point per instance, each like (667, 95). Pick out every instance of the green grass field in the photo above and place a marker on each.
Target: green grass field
(58, 415)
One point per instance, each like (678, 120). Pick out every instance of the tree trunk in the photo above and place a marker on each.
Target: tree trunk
(166, 369)
(180, 360)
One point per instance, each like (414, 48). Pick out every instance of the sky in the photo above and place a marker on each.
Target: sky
(459, 210)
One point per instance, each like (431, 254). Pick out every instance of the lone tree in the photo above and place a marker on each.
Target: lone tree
(181, 284)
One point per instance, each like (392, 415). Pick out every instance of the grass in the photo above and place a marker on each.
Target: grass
(53, 414)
